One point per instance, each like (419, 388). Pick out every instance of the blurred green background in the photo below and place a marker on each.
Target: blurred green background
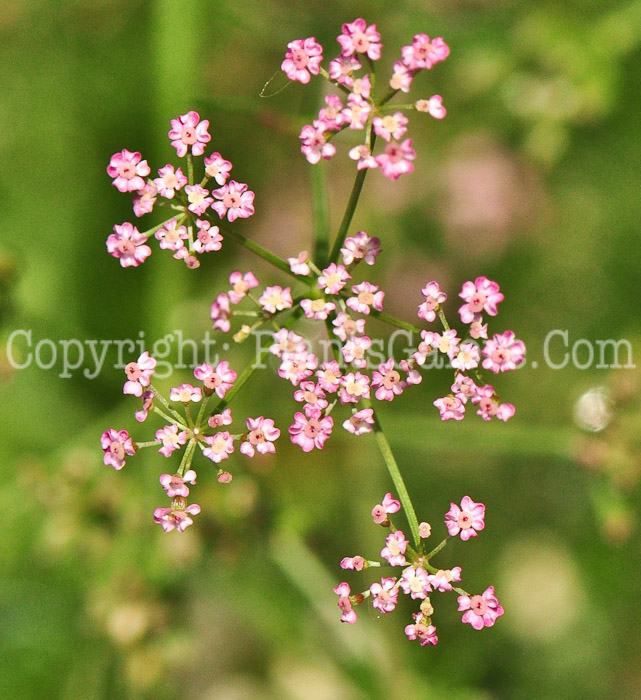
(533, 180)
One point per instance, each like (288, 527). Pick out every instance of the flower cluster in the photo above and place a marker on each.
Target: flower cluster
(357, 108)
(418, 578)
(188, 232)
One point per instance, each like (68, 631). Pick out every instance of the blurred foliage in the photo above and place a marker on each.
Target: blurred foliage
(533, 180)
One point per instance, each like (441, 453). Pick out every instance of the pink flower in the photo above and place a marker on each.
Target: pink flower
(394, 550)
(333, 278)
(415, 582)
(186, 393)
(220, 312)
(468, 520)
(139, 374)
(346, 327)
(298, 366)
(385, 595)
(446, 343)
(128, 245)
(116, 444)
(478, 330)
(433, 106)
(503, 352)
(480, 295)
(298, 265)
(442, 579)
(275, 299)
(177, 516)
(221, 445)
(357, 111)
(467, 357)
(360, 246)
(356, 563)
(198, 199)
(341, 69)
(354, 387)
(188, 132)
(219, 419)
(314, 145)
(424, 530)
(171, 439)
(147, 405)
(364, 156)
(402, 77)
(241, 284)
(261, 436)
(361, 422)
(387, 381)
(368, 295)
(362, 87)
(171, 237)
(412, 375)
(390, 126)
(450, 407)
(217, 167)
(190, 259)
(234, 200)
(303, 57)
(331, 118)
(310, 432)
(170, 181)
(434, 297)
(357, 37)
(355, 350)
(381, 510)
(128, 171)
(396, 160)
(421, 630)
(176, 485)
(329, 376)
(481, 610)
(208, 238)
(344, 603)
(318, 309)
(287, 342)
(489, 406)
(312, 395)
(145, 199)
(423, 53)
(464, 388)
(218, 380)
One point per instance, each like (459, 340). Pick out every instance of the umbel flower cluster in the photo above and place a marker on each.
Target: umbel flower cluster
(417, 577)
(335, 288)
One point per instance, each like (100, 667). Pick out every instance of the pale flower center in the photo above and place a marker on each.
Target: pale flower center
(464, 520)
(391, 378)
(127, 170)
(477, 302)
(390, 123)
(188, 135)
(393, 548)
(478, 604)
(117, 449)
(361, 42)
(126, 247)
(366, 298)
(318, 305)
(300, 58)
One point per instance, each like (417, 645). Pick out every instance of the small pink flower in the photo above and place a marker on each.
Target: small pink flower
(394, 550)
(241, 284)
(303, 58)
(381, 510)
(361, 422)
(346, 327)
(415, 582)
(387, 381)
(467, 357)
(171, 439)
(145, 199)
(220, 312)
(360, 246)
(384, 594)
(234, 200)
(442, 579)
(390, 126)
(329, 376)
(208, 238)
(355, 351)
(464, 388)
(434, 297)
(318, 309)
(128, 245)
(357, 37)
(331, 118)
(423, 53)
(189, 259)
(287, 343)
(275, 299)
(354, 387)
(188, 132)
(356, 563)
(296, 367)
(312, 395)
(147, 405)
(396, 160)
(341, 69)
(170, 181)
(357, 111)
(314, 145)
(489, 406)
(176, 485)
(299, 264)
(218, 380)
(219, 419)
(217, 167)
(116, 444)
(481, 610)
(176, 517)
(402, 77)
(412, 375)
(450, 407)
(343, 592)
(421, 630)
(128, 171)
(221, 445)
(468, 520)
(481, 295)
(261, 436)
(310, 432)
(503, 352)
(363, 155)
(447, 342)
(139, 374)
(198, 199)
(433, 107)
(186, 393)
(368, 296)
(362, 87)
(424, 530)
(172, 237)
(478, 329)
(333, 278)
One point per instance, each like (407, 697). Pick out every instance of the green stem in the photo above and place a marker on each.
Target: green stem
(180, 423)
(187, 457)
(150, 443)
(163, 401)
(436, 549)
(321, 218)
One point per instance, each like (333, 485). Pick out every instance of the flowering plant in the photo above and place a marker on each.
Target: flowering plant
(326, 288)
